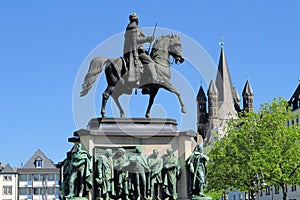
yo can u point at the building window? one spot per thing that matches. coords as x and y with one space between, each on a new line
38 163
276 190
7 190
24 177
25 191
7 178
50 190
294 187
36 177
50 177
56 190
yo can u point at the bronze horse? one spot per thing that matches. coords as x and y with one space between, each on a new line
116 71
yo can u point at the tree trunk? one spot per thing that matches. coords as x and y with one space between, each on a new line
284 191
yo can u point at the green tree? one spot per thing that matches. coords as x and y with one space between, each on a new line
257 143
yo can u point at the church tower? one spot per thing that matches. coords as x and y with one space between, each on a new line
201 115
248 97
222 103
213 113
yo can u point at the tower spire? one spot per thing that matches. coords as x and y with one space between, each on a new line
248 97
224 85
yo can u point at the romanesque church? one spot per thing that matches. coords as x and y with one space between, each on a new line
220 103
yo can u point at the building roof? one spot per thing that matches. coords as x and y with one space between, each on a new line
223 80
39 155
295 98
201 94
248 91
8 169
224 85
212 89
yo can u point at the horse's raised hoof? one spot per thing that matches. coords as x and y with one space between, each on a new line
183 110
147 115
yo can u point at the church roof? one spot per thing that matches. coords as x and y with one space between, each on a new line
248 91
224 85
223 80
39 155
201 94
212 89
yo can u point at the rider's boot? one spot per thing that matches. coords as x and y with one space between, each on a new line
153 78
152 73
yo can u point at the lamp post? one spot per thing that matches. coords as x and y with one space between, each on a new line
259 182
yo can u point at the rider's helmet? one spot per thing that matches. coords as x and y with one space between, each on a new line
133 17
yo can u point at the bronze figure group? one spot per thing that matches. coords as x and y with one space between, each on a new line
133 176
121 174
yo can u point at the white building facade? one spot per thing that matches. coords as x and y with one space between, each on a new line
8 183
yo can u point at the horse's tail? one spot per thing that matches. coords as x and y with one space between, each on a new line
96 66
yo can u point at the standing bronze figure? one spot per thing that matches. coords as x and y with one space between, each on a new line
80 180
121 180
171 172
125 74
139 167
155 164
197 167
105 176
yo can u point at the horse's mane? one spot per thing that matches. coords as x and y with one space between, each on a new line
159 39
157 44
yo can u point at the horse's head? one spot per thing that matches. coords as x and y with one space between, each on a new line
169 44
175 48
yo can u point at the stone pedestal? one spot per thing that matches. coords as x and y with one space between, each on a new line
149 134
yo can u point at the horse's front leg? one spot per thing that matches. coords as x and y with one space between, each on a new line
168 86
153 92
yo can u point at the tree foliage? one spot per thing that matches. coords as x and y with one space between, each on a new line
258 142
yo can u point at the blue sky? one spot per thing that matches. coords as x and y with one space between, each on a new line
44 45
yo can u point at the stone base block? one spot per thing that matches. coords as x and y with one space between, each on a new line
149 134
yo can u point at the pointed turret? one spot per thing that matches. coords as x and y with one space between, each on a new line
237 100
224 85
212 94
201 95
248 97
201 114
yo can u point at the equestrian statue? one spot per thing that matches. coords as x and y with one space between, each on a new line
136 69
